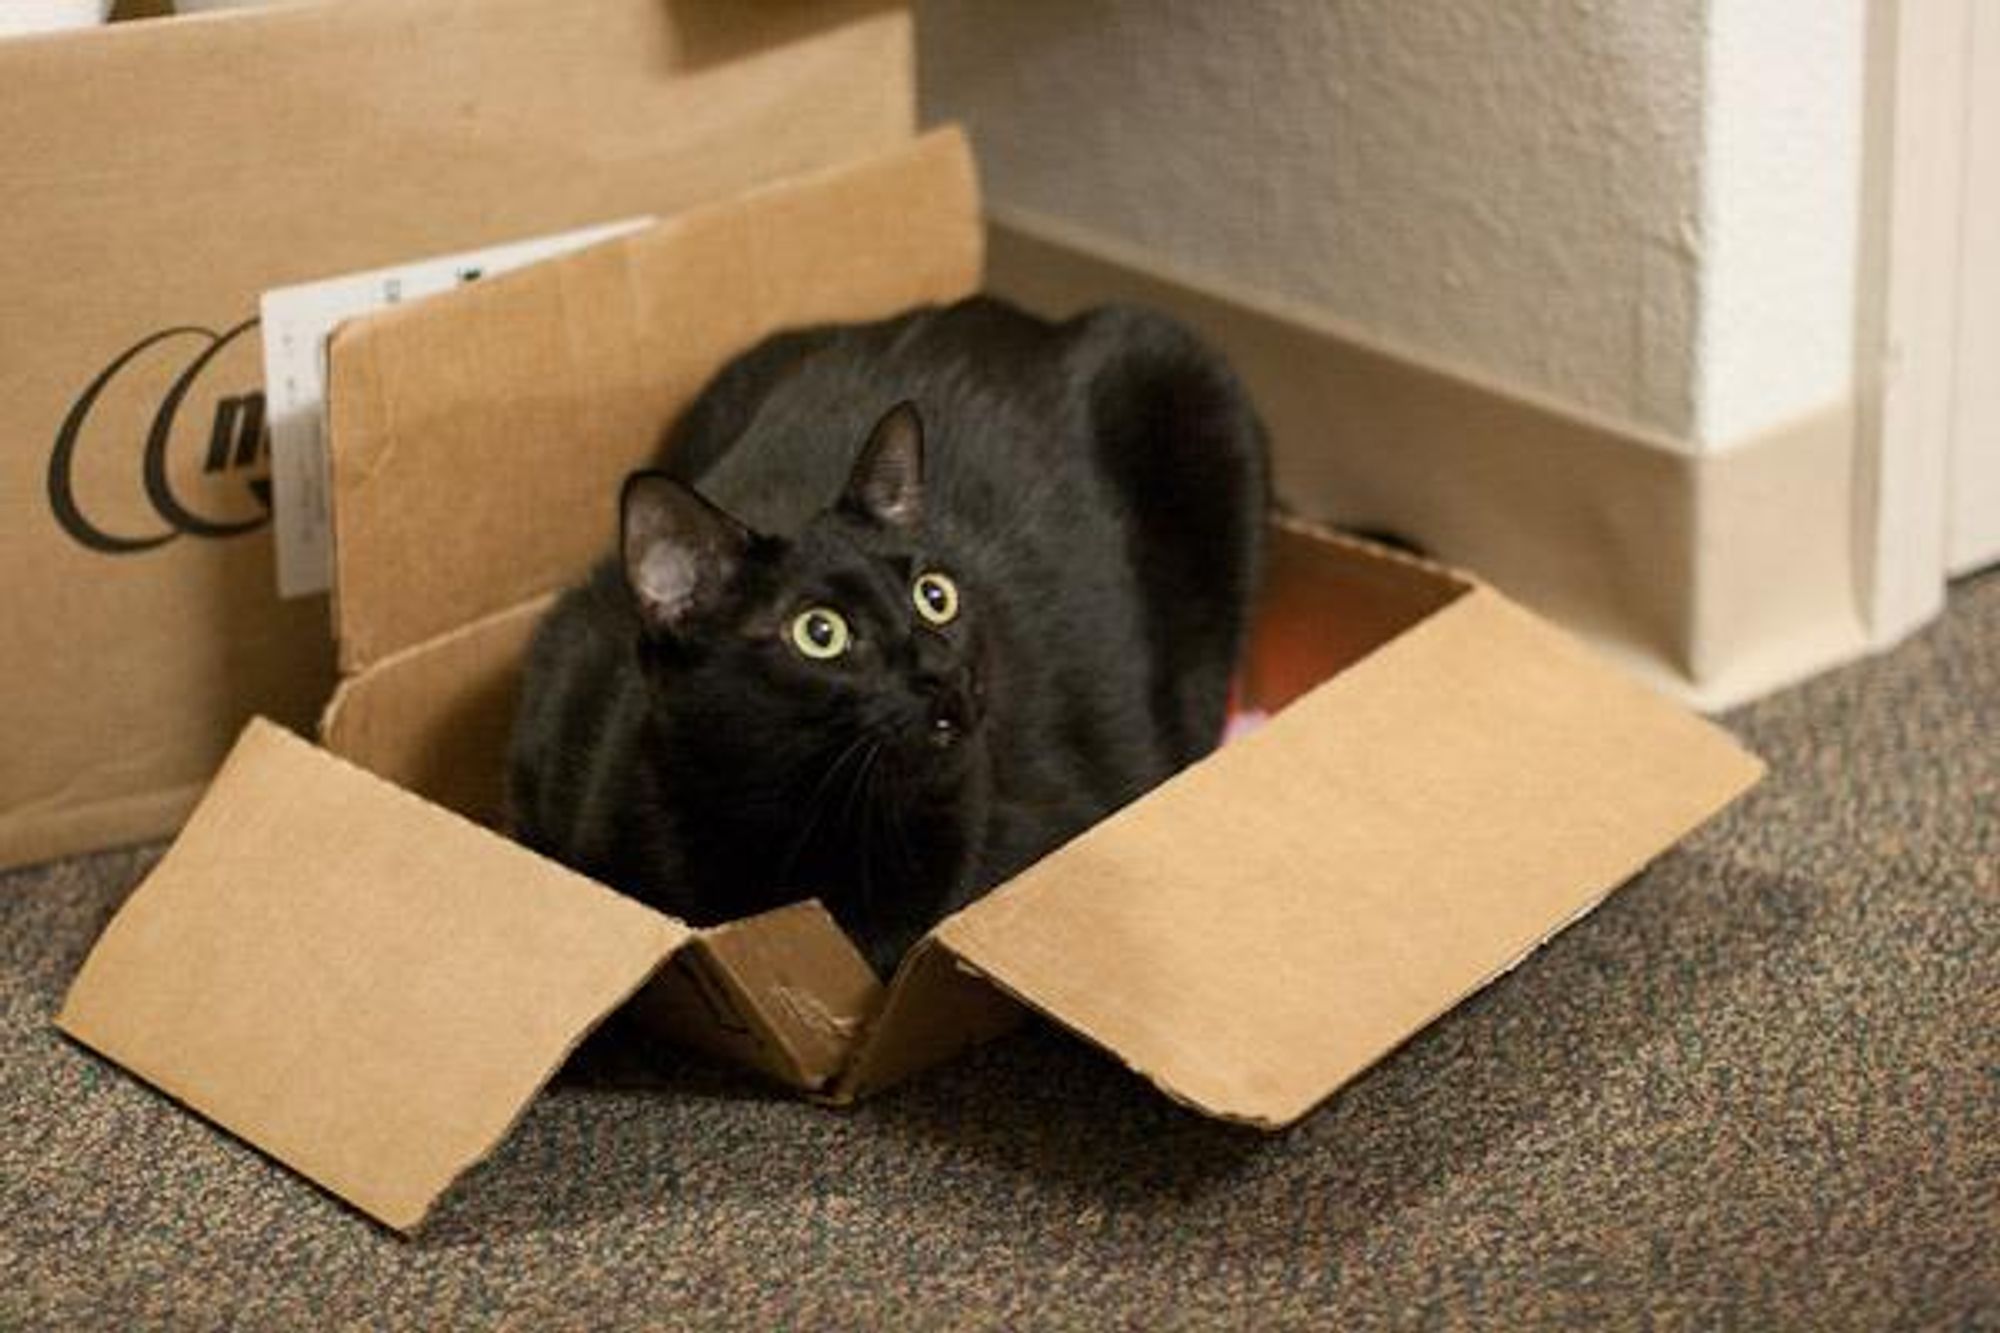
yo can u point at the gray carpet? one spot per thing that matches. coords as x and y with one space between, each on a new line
1759 1089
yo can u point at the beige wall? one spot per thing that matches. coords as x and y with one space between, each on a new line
1646 212
1566 291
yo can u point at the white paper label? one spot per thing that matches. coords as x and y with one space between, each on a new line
296 323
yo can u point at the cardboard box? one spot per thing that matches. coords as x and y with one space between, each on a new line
371 987
159 175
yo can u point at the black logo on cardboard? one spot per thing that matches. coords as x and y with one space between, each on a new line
237 444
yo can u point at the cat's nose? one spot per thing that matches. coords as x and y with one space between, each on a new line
952 714
949 720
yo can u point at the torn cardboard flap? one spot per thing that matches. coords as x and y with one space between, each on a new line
366 987
477 436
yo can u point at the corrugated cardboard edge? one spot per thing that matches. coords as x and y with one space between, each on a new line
233 1053
935 1007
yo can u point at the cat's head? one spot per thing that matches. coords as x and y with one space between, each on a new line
849 638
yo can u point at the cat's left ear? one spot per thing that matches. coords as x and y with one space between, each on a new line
887 484
681 553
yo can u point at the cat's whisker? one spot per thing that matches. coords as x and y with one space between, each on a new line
861 801
816 803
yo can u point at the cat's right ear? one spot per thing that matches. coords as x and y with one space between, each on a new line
681 553
887 483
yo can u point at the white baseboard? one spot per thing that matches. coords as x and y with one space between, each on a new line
1717 575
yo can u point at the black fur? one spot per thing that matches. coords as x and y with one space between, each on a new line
1095 489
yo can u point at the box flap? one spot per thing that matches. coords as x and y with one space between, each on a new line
365 987
785 993
935 1008
460 488
1272 921
1327 602
435 718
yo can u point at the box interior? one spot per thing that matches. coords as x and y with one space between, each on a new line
763 992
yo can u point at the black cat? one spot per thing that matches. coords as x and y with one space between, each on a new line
911 604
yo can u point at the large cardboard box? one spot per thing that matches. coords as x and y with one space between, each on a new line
339 963
160 175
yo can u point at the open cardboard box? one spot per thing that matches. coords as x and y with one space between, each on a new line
371 987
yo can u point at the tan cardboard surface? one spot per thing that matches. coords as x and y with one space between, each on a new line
434 719
799 983
1270 923
936 1007
478 438
159 175
1327 602
783 993
365 987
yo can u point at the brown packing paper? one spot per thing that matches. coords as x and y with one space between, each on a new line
365 987
160 175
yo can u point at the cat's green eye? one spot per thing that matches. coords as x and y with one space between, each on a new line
936 597
820 632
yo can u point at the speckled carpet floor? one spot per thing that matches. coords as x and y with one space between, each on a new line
1759 1089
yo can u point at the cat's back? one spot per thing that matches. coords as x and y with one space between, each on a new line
773 437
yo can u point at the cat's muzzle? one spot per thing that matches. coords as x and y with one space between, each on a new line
953 715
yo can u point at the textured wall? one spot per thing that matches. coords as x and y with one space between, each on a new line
1782 189
1514 188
